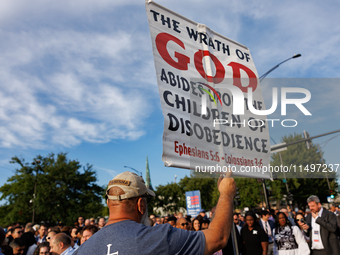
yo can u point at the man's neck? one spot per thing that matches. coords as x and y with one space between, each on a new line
65 249
113 220
119 214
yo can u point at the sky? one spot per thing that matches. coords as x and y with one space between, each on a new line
79 76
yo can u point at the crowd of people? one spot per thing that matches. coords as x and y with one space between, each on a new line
44 240
279 232
287 232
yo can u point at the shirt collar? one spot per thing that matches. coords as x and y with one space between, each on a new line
67 250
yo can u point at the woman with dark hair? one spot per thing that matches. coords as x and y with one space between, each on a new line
196 224
288 239
254 238
299 221
42 249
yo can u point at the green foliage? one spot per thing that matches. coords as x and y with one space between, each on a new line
171 197
297 155
207 188
302 183
63 191
250 192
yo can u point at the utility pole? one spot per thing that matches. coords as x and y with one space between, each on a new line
36 163
323 162
307 139
261 79
303 140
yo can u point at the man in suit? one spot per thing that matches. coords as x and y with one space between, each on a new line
237 222
334 210
268 227
321 227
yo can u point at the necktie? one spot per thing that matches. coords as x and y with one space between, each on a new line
267 231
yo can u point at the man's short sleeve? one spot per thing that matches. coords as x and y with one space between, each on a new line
186 242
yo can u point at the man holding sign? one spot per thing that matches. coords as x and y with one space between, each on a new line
124 233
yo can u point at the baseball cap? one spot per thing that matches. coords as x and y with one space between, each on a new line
132 184
36 227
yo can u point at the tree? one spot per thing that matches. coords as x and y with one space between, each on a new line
207 187
63 191
250 192
171 197
307 179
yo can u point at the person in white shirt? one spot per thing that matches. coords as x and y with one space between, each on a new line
268 227
288 239
321 226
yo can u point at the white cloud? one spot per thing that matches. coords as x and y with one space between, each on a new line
111 172
68 86
74 71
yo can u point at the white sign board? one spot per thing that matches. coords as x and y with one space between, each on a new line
203 79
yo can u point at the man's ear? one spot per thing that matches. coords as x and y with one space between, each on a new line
141 205
61 245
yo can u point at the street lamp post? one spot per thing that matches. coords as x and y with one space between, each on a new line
36 163
261 79
269 71
139 173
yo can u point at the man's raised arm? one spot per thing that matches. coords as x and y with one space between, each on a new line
217 235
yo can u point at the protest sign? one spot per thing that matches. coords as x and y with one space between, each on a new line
193 201
211 98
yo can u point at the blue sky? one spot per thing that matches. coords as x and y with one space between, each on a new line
78 76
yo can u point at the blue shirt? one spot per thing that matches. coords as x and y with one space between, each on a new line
129 237
68 251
